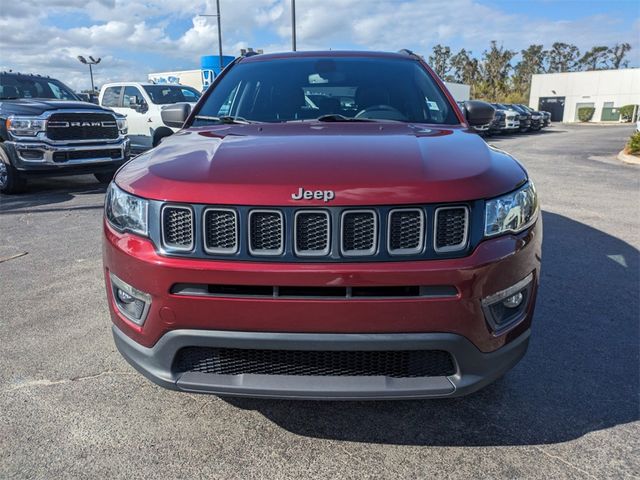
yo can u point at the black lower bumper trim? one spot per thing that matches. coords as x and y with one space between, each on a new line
474 369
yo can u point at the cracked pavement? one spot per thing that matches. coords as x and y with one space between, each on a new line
71 407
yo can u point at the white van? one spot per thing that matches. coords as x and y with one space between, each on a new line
142 104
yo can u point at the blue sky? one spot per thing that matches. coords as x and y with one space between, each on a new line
136 37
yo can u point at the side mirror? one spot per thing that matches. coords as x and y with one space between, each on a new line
478 113
175 115
141 107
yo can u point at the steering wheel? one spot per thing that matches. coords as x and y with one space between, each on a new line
390 113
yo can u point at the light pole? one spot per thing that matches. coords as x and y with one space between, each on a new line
90 62
293 25
219 32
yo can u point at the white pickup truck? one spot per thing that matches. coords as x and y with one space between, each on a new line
142 103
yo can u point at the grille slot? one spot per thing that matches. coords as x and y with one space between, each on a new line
220 230
177 227
311 233
266 232
374 292
406 231
359 232
451 227
82 126
390 363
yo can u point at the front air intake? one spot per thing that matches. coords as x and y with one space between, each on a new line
177 227
451 229
266 232
311 233
220 231
359 232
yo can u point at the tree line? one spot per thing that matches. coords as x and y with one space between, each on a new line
494 76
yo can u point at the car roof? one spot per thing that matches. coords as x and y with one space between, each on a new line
20 74
141 84
329 53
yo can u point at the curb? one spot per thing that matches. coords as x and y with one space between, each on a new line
629 159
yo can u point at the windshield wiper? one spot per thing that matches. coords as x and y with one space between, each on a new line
225 119
336 117
9 98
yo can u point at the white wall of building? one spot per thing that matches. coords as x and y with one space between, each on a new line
191 78
460 91
622 87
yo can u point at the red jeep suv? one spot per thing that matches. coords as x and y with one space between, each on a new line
325 225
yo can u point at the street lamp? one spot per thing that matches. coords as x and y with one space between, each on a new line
219 31
293 25
90 62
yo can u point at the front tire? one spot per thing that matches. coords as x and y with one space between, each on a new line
105 177
11 181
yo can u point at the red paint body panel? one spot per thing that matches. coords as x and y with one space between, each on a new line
364 164
494 265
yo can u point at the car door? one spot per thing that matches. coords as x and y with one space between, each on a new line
135 108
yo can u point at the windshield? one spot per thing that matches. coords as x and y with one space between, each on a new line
26 86
166 94
329 88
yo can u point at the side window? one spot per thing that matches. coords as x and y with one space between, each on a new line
132 97
111 97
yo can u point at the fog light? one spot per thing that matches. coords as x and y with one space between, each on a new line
131 302
506 308
124 297
514 300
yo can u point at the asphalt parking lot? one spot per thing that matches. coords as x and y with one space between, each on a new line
71 407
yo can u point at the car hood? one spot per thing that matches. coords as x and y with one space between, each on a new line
32 106
362 163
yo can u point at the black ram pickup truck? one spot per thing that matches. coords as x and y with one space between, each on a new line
46 130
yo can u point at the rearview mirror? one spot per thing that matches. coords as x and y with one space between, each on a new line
478 113
175 115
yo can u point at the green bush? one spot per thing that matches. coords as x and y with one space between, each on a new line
626 113
633 146
585 113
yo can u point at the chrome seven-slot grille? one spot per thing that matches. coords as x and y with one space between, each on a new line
317 233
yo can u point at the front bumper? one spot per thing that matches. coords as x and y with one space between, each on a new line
70 157
474 369
455 324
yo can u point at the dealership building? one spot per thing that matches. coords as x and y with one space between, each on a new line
563 94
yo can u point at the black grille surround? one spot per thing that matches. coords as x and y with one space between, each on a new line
82 126
386 363
288 253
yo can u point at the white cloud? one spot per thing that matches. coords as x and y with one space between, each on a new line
30 41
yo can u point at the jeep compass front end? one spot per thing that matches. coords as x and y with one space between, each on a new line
326 226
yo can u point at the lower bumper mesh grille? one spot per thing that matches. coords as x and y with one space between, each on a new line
391 363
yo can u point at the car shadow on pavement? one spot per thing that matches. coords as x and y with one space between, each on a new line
581 372
42 193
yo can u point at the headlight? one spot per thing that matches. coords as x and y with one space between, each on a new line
25 126
126 212
122 124
512 212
